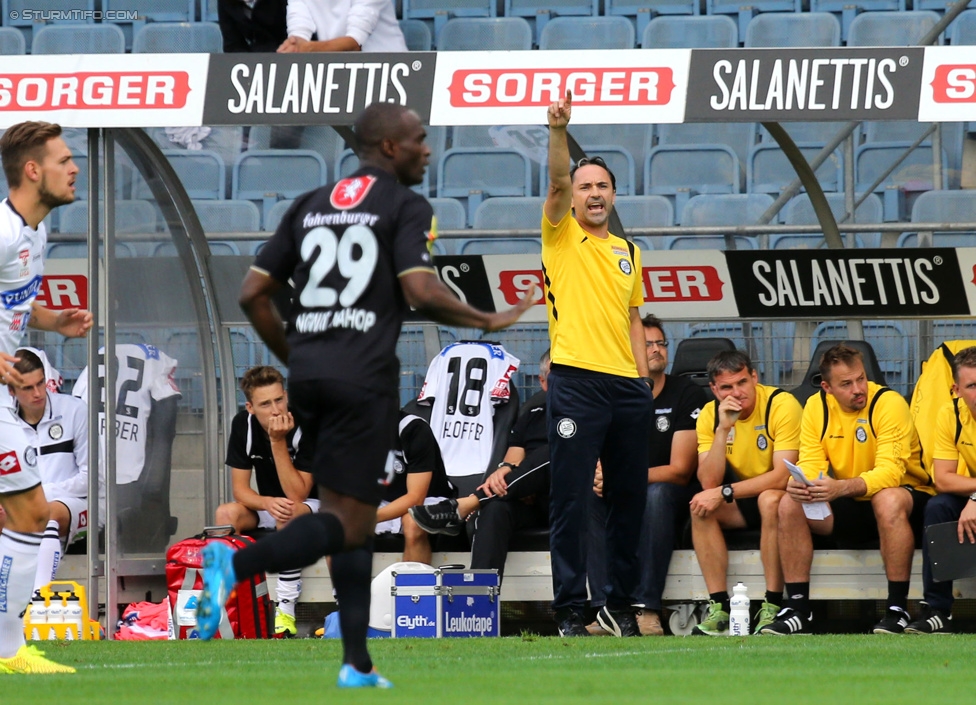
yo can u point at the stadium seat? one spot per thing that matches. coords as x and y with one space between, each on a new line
574 33
725 209
485 34
963 28
78 39
809 241
217 247
320 138
745 12
641 13
690 32
150 11
275 215
644 211
784 29
943 207
200 171
440 11
416 34
691 358
450 213
736 332
895 131
770 171
681 172
738 136
79 250
501 246
472 174
891 342
708 242
12 41
914 174
208 10
224 140
130 217
811 380
14 15
509 214
619 160
892 29
819 133
178 37
228 216
847 10
271 175
799 211
542 11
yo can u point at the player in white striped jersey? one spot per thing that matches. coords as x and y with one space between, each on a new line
41 175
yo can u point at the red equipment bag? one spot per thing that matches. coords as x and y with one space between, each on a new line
248 613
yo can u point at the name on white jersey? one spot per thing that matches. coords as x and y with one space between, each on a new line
319 321
124 430
469 430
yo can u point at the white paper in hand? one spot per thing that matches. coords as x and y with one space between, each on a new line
817 511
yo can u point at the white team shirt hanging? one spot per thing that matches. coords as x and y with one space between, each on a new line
465 382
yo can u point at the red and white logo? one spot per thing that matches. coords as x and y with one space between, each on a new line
514 283
954 83
19 321
349 193
9 464
682 284
61 291
528 87
24 257
501 390
83 519
103 90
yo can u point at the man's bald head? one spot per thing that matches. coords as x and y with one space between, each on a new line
378 122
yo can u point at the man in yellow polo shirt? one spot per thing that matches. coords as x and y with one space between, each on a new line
598 405
745 439
860 452
955 440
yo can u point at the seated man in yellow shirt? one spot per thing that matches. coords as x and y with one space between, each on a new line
745 438
954 472
861 454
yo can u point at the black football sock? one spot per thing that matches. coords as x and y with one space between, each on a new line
302 542
898 593
798 597
351 573
720 597
774 598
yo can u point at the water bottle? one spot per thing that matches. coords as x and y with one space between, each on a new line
739 611
74 617
55 611
38 610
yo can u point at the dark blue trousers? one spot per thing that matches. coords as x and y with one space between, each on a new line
940 509
594 416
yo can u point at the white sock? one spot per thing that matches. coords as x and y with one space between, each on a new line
48 556
18 564
289 589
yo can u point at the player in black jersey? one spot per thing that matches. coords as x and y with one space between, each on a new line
357 254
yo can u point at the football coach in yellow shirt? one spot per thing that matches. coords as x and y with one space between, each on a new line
599 401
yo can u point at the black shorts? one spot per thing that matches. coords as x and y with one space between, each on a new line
351 432
855 523
749 507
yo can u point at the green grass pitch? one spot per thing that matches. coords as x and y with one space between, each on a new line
524 670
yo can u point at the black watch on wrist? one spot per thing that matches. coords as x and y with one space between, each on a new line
728 494
649 381
505 464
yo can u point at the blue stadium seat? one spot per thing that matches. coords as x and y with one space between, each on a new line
963 28
892 29
644 211
217 247
725 209
149 11
14 15
184 346
943 207
807 241
450 214
274 216
79 250
819 133
208 10
542 11
619 160
12 41
573 33
939 239
681 172
527 342
739 136
131 216
745 12
200 171
799 211
509 214
417 35
475 174
641 12
228 216
78 39
914 174
632 138
271 175
895 131
953 330
891 341
802 29
178 37
769 170
225 140
708 242
691 32
347 162
501 246
485 34
735 331
847 10
440 11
